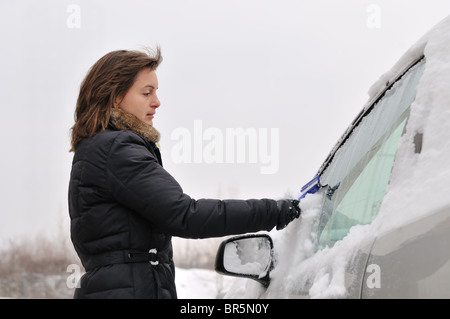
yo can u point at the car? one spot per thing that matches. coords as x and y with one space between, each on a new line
375 219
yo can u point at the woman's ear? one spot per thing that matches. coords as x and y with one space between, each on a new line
117 102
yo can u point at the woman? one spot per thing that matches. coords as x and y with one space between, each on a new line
124 206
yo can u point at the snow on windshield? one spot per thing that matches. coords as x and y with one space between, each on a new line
419 184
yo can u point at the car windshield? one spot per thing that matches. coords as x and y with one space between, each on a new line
356 178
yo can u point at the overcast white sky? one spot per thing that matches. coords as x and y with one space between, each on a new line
296 70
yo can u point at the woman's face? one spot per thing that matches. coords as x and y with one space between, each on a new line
141 99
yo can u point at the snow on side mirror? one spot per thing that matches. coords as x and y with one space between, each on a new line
249 256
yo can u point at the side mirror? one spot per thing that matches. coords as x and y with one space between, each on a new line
249 256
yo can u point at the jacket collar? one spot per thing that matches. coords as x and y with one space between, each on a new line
122 120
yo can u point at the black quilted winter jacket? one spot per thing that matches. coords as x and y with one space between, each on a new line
125 208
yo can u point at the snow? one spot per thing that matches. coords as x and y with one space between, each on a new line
201 284
418 185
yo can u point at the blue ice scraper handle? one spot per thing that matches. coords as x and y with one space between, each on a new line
310 188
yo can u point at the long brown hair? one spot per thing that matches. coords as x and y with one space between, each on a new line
108 80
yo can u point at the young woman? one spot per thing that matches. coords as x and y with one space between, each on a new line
124 206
